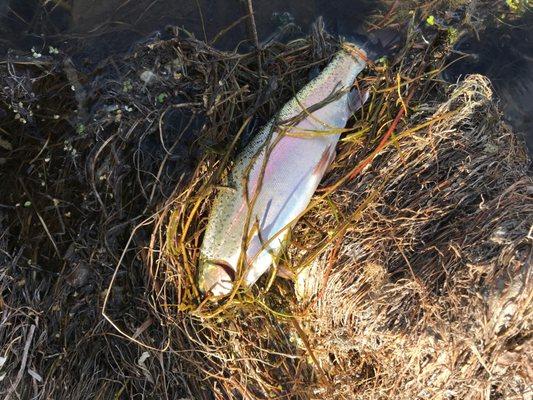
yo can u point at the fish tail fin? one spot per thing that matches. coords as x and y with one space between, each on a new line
378 43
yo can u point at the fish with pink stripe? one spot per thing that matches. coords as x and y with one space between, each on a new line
274 178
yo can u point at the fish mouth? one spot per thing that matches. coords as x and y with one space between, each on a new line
216 277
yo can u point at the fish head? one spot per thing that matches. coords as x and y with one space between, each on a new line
216 277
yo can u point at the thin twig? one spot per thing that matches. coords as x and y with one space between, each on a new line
253 29
22 363
253 26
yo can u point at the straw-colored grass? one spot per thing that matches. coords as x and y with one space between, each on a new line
429 293
411 262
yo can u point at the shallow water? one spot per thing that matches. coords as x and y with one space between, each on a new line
91 30
504 53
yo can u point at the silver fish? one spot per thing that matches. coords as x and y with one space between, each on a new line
281 169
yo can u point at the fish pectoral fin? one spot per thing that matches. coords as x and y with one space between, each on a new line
332 156
325 161
285 273
356 98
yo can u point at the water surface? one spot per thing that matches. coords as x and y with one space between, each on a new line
91 30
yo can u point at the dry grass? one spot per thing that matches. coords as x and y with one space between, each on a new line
430 291
406 278
413 262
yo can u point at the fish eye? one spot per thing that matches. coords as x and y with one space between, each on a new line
226 267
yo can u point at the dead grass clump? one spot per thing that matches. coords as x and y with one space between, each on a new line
430 292
87 159
412 264
395 259
246 348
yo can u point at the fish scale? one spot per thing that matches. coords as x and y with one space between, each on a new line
281 168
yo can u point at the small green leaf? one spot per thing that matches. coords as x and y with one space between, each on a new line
127 86
513 4
453 35
161 97
430 20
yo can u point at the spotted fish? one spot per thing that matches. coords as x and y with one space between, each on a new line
275 176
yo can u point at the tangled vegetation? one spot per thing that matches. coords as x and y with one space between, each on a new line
411 267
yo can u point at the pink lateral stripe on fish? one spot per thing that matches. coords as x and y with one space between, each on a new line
289 176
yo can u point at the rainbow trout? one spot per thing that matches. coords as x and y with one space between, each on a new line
275 176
